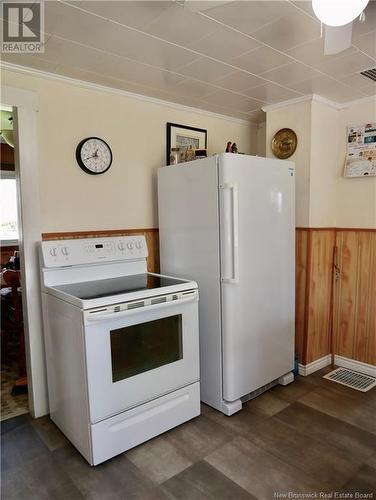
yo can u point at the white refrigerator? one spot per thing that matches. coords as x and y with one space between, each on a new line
228 222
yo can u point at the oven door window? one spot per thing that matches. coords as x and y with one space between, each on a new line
142 347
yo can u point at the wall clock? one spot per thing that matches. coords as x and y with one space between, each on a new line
94 155
284 143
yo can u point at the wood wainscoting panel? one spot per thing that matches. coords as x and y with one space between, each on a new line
344 307
151 236
355 296
301 246
319 287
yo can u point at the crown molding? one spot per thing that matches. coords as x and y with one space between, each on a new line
298 100
348 104
111 90
317 98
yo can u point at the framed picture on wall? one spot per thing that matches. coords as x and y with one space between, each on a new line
182 142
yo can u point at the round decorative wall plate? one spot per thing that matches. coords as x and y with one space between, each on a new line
284 143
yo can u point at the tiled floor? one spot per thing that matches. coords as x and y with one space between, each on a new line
311 436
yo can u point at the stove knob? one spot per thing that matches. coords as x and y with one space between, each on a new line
130 245
53 252
139 244
121 246
64 251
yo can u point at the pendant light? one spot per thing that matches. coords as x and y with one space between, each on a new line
338 12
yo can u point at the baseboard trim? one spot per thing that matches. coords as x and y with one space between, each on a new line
355 365
352 364
315 365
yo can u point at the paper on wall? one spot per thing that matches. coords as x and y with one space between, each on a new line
361 151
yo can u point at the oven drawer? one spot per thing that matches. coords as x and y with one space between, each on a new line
133 427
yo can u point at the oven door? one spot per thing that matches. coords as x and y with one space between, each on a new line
136 355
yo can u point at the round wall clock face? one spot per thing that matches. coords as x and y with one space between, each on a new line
94 155
284 143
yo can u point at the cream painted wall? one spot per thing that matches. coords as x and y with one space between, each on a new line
125 196
261 139
323 158
324 198
355 198
297 117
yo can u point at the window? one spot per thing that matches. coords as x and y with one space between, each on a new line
8 208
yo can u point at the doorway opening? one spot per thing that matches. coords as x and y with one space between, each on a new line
14 387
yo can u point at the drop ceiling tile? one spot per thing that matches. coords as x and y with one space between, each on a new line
270 92
185 101
157 78
194 88
75 73
329 88
72 24
346 65
130 13
238 81
179 25
116 67
139 74
288 31
306 6
97 78
143 48
205 69
224 44
71 54
366 43
250 16
360 82
50 58
260 60
290 73
203 5
348 96
312 53
39 62
233 101
168 96
222 110
370 20
371 90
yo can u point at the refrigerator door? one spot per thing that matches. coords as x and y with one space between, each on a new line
257 233
189 248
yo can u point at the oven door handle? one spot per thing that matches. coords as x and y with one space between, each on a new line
92 317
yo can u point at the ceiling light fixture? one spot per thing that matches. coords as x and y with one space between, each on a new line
338 12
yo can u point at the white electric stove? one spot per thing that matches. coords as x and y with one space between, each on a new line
122 345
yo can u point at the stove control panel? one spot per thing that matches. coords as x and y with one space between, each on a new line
83 251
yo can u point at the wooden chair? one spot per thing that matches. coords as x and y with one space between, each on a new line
11 316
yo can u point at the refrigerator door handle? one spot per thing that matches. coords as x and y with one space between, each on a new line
234 231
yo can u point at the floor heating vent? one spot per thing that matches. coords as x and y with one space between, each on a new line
352 379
